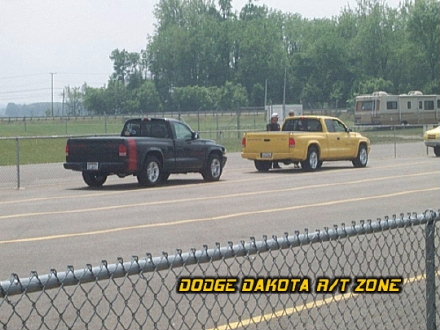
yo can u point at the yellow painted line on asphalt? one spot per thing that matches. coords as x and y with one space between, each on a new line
191 185
205 198
297 309
217 218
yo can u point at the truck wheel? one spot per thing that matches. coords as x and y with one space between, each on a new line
362 158
150 174
213 169
94 180
437 151
262 165
312 161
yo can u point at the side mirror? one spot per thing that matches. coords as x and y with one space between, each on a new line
195 135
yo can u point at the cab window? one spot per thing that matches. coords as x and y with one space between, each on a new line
303 124
156 129
335 126
132 128
182 131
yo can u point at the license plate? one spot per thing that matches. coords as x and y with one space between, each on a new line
266 155
92 166
431 136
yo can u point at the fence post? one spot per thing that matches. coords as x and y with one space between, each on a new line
238 123
216 125
430 274
17 154
395 145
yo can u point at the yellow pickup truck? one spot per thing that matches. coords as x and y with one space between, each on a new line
432 139
309 140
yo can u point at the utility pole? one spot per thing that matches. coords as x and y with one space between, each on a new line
62 108
284 92
265 97
51 107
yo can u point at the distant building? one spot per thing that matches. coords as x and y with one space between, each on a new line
283 112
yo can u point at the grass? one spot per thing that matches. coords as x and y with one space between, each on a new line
32 151
113 125
37 150
399 135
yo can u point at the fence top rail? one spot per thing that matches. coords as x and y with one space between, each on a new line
34 283
243 110
110 134
54 136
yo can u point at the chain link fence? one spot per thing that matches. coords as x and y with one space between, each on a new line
142 293
198 120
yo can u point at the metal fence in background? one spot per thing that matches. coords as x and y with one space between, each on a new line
18 147
142 293
65 125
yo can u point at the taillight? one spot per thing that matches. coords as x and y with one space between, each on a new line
291 142
67 150
243 142
122 150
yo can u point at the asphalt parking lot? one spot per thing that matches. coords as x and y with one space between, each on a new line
55 220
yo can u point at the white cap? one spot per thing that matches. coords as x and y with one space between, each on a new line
274 115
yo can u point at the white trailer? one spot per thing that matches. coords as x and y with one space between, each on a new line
381 108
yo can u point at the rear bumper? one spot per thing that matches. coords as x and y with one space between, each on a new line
275 156
116 167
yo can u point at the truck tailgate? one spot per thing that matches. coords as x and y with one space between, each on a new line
267 142
100 149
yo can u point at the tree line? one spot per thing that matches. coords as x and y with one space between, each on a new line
203 55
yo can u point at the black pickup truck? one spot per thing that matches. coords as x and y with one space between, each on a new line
148 148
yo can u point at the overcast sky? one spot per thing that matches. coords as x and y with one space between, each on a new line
74 38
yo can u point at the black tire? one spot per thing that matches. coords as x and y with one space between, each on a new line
437 151
262 165
151 172
312 161
361 159
94 180
213 168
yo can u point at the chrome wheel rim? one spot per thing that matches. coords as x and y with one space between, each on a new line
363 156
153 172
215 168
313 160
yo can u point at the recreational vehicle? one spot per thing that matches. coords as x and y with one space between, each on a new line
381 108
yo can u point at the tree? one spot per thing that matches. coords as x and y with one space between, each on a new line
232 96
424 30
128 68
96 101
74 97
149 100
375 42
